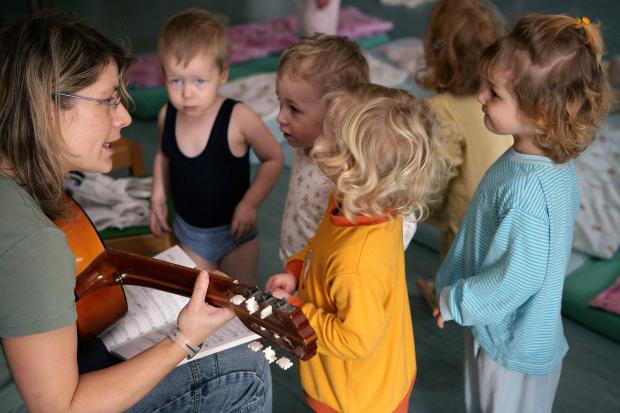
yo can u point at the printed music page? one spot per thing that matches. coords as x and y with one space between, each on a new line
152 313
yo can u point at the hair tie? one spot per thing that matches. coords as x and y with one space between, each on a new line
582 21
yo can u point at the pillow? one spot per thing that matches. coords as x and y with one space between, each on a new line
597 228
609 299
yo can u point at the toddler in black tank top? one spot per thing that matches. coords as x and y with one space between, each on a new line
203 161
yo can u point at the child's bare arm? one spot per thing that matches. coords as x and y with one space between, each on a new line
268 151
159 210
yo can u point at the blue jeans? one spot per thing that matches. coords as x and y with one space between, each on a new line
234 380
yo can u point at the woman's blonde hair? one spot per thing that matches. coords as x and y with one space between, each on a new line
193 32
456 35
552 66
326 61
41 57
379 146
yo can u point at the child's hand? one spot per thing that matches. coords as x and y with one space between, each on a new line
280 293
158 219
438 318
286 282
243 220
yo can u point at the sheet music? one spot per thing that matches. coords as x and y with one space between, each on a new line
152 313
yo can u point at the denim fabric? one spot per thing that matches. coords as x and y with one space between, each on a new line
210 243
235 380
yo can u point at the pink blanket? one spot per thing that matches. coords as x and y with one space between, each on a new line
253 40
609 299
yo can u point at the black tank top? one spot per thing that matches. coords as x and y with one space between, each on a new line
206 189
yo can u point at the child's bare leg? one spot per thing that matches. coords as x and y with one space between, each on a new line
199 261
427 288
241 262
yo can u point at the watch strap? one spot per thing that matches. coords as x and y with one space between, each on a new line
176 336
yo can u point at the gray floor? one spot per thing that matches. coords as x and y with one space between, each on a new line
590 378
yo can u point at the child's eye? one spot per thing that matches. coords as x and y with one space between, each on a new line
494 94
199 82
175 82
294 109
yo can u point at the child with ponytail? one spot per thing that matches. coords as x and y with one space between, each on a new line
504 273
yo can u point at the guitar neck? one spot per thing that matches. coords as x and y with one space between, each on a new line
119 267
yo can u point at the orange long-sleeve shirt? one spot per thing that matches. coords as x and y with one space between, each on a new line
352 284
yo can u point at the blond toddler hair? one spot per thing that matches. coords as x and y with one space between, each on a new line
193 32
552 66
379 147
325 61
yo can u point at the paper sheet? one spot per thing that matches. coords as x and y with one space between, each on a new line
151 314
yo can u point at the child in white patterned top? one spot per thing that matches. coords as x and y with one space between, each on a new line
307 71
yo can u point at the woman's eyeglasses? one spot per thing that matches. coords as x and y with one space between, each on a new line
113 101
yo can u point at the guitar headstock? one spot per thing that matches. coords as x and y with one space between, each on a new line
273 319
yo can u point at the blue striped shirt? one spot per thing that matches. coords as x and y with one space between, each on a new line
504 274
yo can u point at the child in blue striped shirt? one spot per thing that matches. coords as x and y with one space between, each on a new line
504 274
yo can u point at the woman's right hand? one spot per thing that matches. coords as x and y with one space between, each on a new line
198 320
284 281
158 220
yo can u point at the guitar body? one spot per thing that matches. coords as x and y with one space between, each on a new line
98 311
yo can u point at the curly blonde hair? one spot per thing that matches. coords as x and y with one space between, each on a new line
379 147
326 61
552 66
192 32
456 35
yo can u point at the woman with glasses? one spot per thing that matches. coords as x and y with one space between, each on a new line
61 107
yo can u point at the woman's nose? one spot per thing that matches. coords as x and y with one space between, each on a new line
122 118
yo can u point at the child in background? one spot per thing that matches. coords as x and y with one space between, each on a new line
204 154
318 16
457 33
504 274
307 71
378 148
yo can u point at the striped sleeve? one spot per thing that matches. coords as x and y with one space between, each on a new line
511 272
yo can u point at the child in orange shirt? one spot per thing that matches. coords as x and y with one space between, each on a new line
378 148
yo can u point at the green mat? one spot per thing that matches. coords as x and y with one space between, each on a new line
582 285
148 101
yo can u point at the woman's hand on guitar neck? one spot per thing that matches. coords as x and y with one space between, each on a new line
198 320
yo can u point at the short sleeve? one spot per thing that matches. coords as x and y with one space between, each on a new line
37 279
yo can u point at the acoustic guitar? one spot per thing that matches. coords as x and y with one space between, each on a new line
100 299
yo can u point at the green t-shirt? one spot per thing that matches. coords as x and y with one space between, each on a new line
37 278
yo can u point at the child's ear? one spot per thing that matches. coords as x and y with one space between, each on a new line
224 75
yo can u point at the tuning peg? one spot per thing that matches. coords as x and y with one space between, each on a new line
237 299
255 346
270 354
284 363
265 312
251 305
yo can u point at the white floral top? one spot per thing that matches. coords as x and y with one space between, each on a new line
306 201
